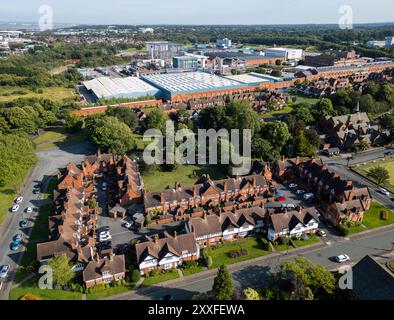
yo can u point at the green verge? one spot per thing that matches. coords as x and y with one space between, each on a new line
220 254
161 277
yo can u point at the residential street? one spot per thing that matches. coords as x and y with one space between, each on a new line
48 164
254 274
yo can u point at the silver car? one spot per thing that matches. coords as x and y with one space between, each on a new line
4 270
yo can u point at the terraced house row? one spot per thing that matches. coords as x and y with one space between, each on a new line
72 225
171 251
339 199
210 193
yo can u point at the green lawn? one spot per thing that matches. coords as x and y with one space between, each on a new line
161 277
57 94
311 240
286 109
387 162
111 291
220 256
32 288
157 180
192 270
372 218
58 137
357 229
283 247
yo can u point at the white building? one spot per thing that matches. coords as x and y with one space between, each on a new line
376 43
389 42
286 53
223 43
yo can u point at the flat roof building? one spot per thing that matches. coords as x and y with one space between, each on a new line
130 87
173 84
249 78
286 53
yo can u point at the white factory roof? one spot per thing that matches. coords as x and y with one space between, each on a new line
247 78
111 87
190 82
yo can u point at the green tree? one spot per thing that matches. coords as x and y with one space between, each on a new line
277 133
135 275
251 294
302 112
262 149
223 284
324 108
302 145
111 135
126 115
61 270
156 119
379 174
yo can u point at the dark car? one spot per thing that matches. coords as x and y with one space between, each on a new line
389 153
167 297
103 229
105 245
23 224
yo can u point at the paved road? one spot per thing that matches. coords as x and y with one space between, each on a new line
254 274
49 162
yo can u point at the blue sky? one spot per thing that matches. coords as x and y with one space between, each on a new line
197 11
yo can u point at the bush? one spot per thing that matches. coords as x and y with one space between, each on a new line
135 275
189 264
384 215
343 229
233 254
209 261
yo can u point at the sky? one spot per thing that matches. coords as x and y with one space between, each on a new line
197 11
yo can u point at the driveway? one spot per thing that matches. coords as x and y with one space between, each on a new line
49 162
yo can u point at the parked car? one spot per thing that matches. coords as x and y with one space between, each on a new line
23 224
15 245
105 237
128 225
36 191
103 229
293 185
167 297
19 200
29 210
389 153
18 237
300 192
281 199
4 270
308 196
15 208
106 245
321 233
288 206
342 258
383 191
104 186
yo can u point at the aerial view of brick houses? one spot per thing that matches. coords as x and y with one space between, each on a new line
348 131
339 199
73 223
211 212
166 252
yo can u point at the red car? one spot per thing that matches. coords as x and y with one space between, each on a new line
281 199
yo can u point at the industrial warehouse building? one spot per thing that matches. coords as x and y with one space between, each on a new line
174 86
130 87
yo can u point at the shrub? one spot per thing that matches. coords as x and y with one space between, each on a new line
209 261
384 215
29 296
135 275
189 264
238 253
343 229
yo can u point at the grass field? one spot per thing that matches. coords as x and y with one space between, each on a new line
57 94
111 291
308 242
220 255
372 218
387 162
156 181
56 137
32 288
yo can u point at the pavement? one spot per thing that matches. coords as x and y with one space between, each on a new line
49 162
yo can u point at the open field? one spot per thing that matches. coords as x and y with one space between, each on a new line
186 175
387 162
57 137
57 94
220 254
